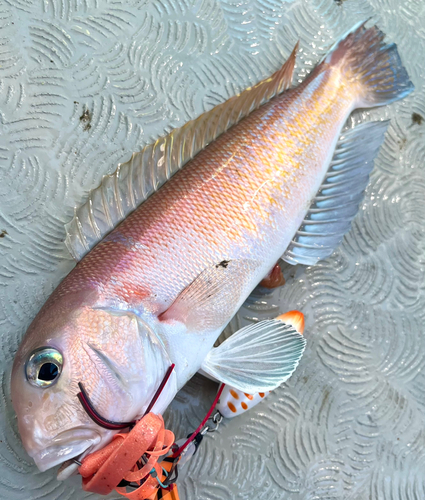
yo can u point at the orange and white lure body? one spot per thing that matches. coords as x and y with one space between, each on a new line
234 402
160 281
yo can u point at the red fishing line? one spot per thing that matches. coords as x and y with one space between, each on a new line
201 425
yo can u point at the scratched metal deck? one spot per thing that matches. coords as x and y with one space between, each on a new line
83 83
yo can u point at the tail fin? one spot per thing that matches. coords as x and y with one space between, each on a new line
373 66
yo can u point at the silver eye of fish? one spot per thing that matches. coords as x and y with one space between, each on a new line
44 367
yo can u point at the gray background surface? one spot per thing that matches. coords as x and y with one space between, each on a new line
350 423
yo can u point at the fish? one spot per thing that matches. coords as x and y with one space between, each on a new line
171 245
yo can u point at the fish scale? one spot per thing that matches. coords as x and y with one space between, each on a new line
264 165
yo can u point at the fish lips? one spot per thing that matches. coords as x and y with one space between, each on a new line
67 445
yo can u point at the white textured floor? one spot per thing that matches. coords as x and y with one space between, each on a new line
83 84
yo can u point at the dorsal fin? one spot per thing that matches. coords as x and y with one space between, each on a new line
134 181
337 201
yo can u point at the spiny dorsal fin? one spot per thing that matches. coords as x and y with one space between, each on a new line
134 181
337 201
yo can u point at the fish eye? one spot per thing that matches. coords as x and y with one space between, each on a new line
44 367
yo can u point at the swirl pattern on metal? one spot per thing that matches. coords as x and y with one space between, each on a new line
83 84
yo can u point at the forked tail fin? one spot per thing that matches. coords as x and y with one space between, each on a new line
372 65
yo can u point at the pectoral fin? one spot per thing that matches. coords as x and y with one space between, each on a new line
257 358
211 299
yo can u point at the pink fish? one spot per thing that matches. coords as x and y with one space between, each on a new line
161 287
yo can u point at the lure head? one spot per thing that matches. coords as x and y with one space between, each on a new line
116 357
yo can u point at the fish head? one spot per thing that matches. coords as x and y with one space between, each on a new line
115 356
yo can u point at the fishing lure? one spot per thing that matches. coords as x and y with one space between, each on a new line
139 449
131 459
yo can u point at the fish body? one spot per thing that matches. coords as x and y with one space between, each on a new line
161 287
240 199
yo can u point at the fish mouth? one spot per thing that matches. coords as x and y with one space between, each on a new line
70 467
67 445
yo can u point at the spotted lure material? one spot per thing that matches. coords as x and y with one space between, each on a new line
159 287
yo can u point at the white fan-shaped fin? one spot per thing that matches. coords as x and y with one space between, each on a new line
257 358
134 181
337 201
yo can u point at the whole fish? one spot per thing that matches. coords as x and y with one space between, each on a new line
161 287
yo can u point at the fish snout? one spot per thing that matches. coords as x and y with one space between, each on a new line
47 452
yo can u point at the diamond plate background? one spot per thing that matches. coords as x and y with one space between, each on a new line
83 83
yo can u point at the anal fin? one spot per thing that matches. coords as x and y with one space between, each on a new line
337 201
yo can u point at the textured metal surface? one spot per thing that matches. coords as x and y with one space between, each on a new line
85 83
